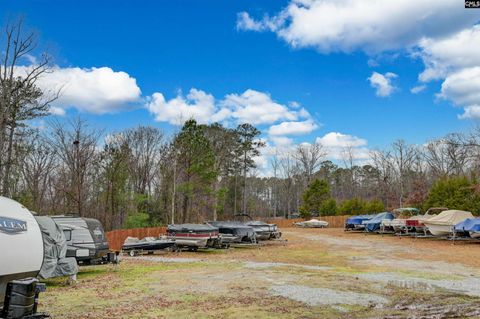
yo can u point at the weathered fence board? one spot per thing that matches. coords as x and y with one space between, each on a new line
116 238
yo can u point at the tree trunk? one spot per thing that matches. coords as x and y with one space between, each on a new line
185 209
215 199
235 196
245 183
8 163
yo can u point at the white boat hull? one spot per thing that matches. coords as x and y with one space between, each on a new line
313 224
475 234
440 230
396 224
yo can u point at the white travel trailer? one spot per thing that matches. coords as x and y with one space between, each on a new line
21 244
21 256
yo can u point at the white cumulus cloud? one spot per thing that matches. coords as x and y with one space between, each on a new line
293 128
383 83
441 33
197 104
470 112
463 89
281 141
336 139
340 146
443 56
245 22
251 106
258 108
370 26
455 60
93 90
417 89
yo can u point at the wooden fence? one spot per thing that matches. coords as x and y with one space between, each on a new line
116 238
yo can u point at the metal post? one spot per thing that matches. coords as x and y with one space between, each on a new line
174 189
76 144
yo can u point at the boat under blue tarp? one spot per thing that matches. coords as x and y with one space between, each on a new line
468 225
373 224
357 221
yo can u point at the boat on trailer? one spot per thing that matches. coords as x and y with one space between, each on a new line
264 231
235 232
312 223
133 245
443 223
415 223
356 222
195 236
22 253
398 225
373 224
470 227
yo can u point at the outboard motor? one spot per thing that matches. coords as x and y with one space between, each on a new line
21 256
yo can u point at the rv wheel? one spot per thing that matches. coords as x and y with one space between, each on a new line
132 253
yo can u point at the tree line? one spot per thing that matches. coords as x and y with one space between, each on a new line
141 176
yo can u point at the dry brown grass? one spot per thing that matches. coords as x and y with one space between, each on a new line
220 284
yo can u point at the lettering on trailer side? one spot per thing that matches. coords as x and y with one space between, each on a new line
12 226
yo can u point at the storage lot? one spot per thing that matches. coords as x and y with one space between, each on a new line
319 273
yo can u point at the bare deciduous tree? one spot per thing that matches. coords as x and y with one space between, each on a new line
37 166
309 157
21 99
75 145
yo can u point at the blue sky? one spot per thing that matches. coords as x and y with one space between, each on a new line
223 48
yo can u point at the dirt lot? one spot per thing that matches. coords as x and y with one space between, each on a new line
318 273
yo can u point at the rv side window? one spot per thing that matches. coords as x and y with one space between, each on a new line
68 234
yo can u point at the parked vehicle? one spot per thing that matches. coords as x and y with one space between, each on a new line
443 223
55 260
195 236
86 240
21 258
